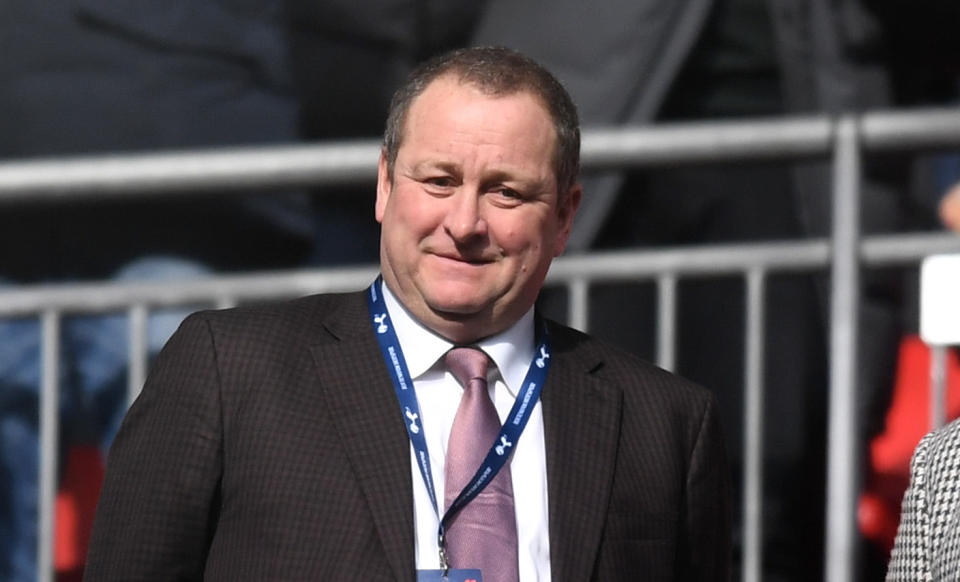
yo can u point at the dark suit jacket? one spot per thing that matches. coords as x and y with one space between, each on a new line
267 445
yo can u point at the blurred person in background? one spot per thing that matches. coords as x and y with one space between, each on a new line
98 76
950 208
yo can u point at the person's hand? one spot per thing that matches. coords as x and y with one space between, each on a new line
950 208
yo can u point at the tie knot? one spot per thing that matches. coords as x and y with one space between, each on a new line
468 364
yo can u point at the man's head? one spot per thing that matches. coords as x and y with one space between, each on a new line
477 189
495 71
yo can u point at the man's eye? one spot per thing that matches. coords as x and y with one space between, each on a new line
440 181
509 193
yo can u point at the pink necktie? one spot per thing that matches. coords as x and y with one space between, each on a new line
484 533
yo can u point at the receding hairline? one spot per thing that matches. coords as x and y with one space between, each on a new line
488 90
495 72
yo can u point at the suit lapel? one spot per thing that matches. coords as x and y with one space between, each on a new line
582 425
355 383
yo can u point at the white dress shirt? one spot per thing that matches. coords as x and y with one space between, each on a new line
438 393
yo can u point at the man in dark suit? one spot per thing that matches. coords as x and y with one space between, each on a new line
268 442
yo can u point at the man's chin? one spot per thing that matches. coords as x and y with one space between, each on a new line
457 311
458 308
455 301
461 323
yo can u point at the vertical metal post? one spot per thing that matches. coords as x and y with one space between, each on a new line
667 321
577 304
938 386
843 457
49 437
753 429
137 362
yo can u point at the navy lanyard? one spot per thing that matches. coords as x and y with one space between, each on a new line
410 409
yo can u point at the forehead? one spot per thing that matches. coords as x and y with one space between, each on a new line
448 110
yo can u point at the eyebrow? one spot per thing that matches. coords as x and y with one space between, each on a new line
493 176
428 165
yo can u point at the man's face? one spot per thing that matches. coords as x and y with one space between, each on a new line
471 218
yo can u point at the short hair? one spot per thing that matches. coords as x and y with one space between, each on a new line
496 71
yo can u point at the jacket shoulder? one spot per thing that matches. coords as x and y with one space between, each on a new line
305 320
613 364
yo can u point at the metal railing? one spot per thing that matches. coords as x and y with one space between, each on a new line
224 169
844 140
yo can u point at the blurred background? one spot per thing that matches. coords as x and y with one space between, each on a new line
91 77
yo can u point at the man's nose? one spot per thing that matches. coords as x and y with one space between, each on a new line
465 218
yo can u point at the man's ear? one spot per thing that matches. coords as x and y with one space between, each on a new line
566 210
384 186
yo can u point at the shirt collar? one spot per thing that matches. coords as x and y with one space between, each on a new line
511 350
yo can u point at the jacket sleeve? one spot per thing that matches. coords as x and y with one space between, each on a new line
910 560
157 509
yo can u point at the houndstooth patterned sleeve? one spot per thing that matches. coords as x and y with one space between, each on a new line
910 560
927 547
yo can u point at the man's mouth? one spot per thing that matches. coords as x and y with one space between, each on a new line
476 261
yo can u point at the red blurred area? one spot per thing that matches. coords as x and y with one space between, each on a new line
908 419
75 507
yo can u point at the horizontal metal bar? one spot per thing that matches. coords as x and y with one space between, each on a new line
714 141
190 171
910 130
628 265
777 256
235 169
906 248
632 265
214 290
